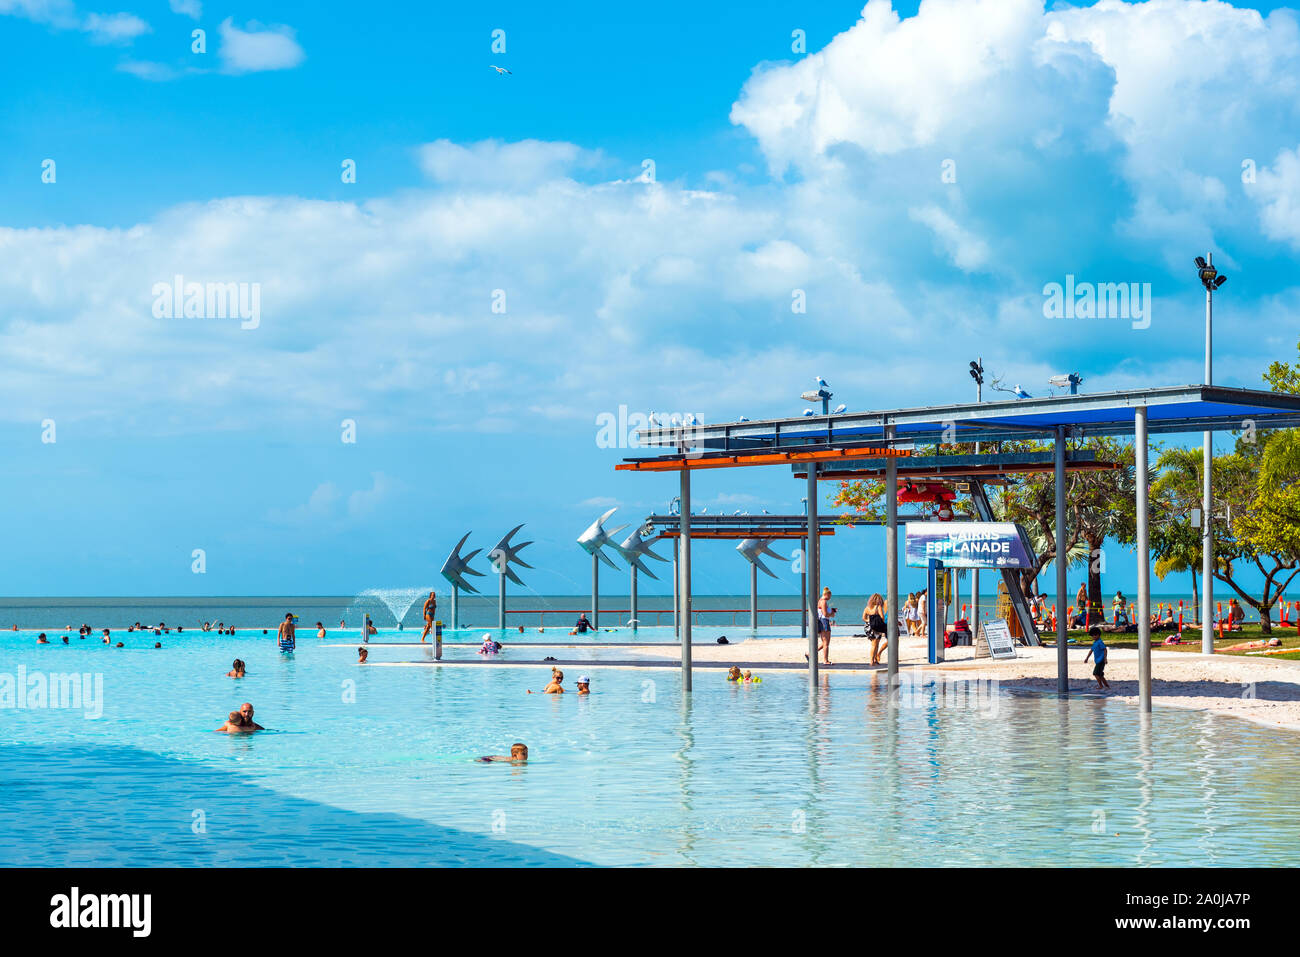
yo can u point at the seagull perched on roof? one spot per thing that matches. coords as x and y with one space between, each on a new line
500 69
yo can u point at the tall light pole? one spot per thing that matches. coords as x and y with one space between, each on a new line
1211 280
976 373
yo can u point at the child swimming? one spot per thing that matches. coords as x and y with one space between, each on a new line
518 755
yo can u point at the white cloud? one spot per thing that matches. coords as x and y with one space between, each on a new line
1278 189
486 162
258 47
968 252
147 70
115 27
189 8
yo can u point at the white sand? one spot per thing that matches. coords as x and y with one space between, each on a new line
1257 689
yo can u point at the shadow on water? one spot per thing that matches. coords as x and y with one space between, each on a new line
139 809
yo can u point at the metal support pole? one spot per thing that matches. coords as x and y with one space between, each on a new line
803 585
501 597
632 615
1059 531
686 578
891 561
677 627
1207 498
595 591
814 591
753 597
455 607
1143 560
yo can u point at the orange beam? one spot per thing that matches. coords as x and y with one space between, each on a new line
771 458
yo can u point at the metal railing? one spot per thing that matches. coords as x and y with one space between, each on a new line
697 615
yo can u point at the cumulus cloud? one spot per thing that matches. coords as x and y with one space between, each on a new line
258 47
495 162
189 8
1278 191
116 28
521 290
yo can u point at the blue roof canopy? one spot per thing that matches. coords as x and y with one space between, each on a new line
1189 408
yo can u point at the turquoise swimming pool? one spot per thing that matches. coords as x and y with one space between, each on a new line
374 765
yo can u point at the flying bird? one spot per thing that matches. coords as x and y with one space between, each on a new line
500 70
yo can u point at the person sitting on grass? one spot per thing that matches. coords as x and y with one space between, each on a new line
1236 615
518 755
1098 653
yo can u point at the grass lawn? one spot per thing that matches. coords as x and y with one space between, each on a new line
1192 640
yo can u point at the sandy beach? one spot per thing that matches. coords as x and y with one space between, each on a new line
1257 689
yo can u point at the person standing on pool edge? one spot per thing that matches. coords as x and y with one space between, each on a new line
824 614
430 606
285 639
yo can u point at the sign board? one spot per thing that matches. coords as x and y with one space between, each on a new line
968 545
997 638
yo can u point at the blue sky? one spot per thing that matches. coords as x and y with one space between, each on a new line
1112 142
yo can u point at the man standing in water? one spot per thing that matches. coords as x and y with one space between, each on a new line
285 638
430 606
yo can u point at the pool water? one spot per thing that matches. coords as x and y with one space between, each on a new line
375 765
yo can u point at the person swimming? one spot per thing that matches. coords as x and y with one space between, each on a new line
235 724
518 755
556 686
490 646
42 640
237 669
584 685
246 710
362 655
320 630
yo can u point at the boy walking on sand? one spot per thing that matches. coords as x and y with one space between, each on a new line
1098 654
